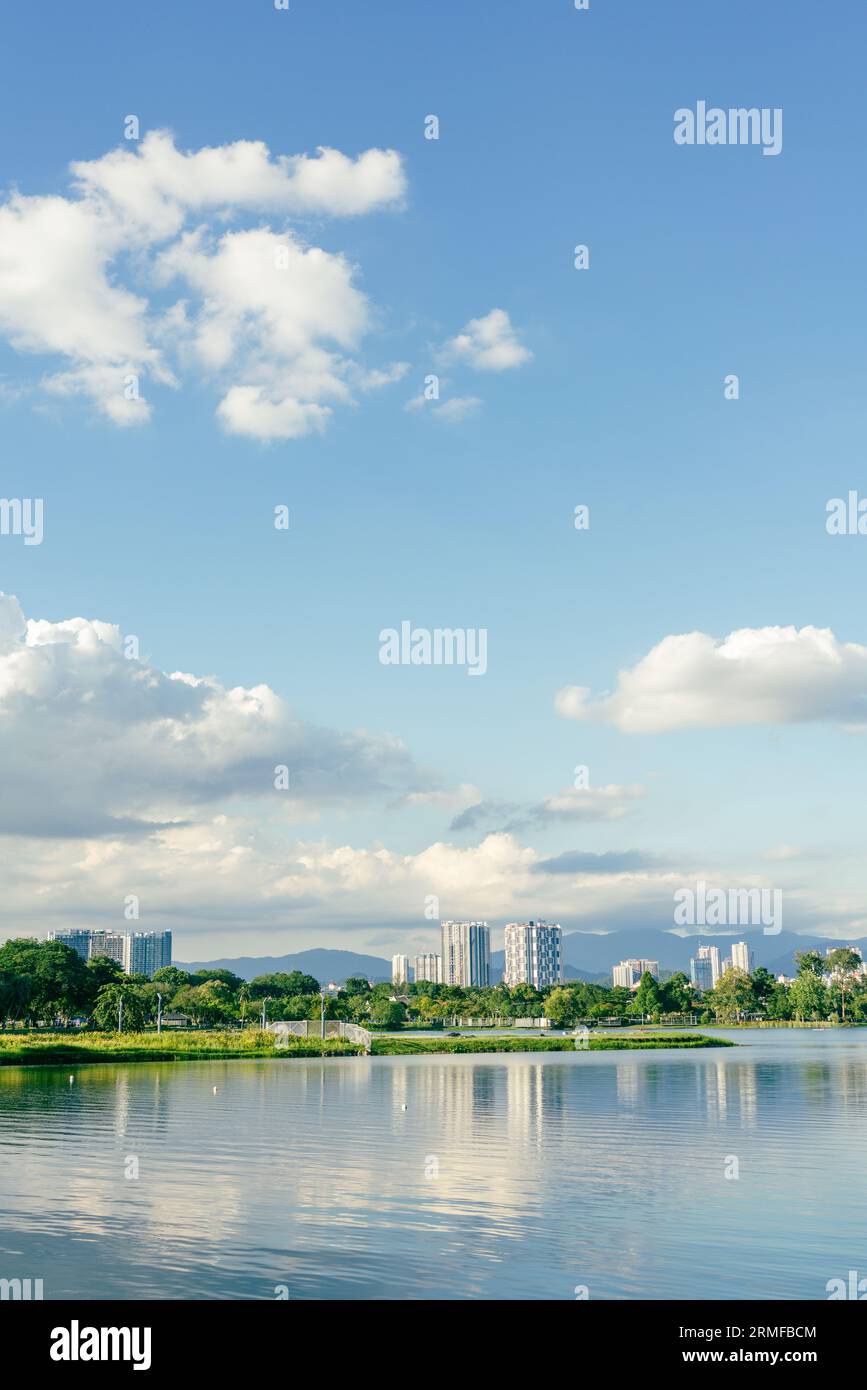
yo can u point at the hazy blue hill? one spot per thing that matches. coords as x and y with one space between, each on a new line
323 965
587 957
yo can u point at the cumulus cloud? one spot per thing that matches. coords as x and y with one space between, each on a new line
770 675
272 318
225 874
489 344
154 185
93 743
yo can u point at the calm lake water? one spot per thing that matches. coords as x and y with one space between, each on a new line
455 1177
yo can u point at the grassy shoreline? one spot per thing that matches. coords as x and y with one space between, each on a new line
58 1049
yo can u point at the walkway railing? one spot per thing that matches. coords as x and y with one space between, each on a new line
311 1028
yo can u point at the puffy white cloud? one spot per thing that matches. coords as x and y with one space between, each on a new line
498 879
770 675
490 344
78 277
92 743
56 298
268 307
249 410
153 185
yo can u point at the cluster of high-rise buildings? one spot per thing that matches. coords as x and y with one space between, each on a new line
707 967
138 952
627 975
533 956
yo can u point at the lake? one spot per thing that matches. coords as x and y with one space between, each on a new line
523 1177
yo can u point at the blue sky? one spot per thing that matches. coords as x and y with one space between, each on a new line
707 515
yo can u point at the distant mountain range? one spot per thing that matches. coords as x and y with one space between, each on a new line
589 957
323 965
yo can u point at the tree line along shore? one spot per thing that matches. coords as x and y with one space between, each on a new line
47 985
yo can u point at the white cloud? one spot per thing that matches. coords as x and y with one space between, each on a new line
154 185
611 802
450 411
270 317
489 344
56 298
268 307
450 799
458 408
92 743
770 675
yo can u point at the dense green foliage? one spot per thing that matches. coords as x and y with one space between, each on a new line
47 983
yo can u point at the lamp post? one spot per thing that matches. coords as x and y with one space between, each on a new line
265 1002
322 993
120 1014
159 1012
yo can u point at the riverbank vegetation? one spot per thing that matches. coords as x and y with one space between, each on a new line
404 1046
47 984
63 1049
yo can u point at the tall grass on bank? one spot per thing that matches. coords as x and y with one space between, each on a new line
59 1049
48 1049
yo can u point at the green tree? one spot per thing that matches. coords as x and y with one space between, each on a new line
388 1013
810 962
283 983
649 998
561 1007
777 1004
208 1004
59 981
14 995
677 994
136 1007
808 996
732 997
842 964
172 977
219 976
103 970
764 985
